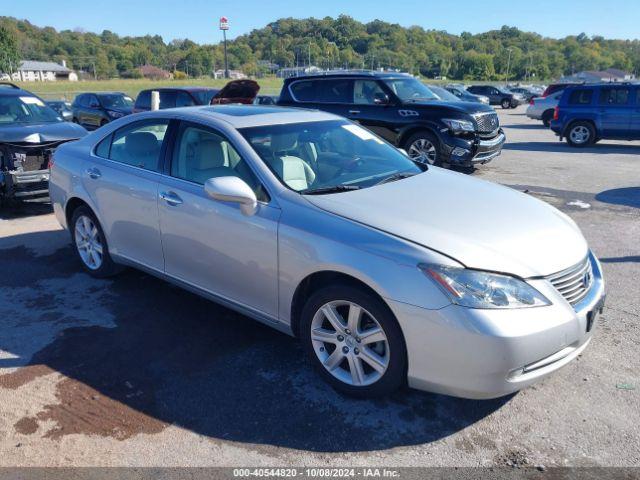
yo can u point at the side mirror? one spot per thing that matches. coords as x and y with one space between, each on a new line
381 99
232 189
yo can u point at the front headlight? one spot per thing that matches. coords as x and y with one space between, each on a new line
477 289
459 126
113 114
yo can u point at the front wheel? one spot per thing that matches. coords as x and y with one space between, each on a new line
506 103
354 340
581 134
424 147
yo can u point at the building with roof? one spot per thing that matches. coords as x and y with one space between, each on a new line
34 71
154 73
596 76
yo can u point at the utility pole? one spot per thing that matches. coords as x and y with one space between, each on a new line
506 82
309 64
224 26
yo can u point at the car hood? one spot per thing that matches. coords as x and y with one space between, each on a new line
478 223
237 91
460 106
41 132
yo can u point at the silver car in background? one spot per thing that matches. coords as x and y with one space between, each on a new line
315 226
542 108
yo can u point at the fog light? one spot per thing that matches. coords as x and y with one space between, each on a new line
459 152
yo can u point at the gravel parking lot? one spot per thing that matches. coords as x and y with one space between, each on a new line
133 371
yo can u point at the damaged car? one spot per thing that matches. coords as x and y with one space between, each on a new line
29 133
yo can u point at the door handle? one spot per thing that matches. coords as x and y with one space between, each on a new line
93 173
354 112
171 198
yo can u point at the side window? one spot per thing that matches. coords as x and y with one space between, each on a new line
102 150
336 91
77 102
201 154
183 99
614 96
367 92
167 99
144 100
139 144
581 97
305 90
494 92
92 101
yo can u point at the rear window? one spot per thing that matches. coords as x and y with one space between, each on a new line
144 100
305 90
614 96
581 97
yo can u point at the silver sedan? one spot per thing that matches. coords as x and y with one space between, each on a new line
389 272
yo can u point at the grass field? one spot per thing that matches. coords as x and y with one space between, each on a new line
68 90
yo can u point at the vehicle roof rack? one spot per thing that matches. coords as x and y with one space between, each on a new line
9 84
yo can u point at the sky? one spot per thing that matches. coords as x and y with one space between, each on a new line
198 19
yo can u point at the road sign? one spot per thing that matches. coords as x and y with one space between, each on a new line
224 23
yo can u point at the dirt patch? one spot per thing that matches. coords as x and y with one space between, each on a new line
26 426
83 410
23 375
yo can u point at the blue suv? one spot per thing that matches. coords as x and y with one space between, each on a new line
589 113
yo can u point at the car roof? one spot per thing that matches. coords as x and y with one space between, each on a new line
244 116
180 88
350 74
8 89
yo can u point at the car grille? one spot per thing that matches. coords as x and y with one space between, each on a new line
487 122
574 283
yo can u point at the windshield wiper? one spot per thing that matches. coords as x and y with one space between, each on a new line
396 176
331 189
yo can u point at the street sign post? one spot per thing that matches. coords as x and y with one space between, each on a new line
224 26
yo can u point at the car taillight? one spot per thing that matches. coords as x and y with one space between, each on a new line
556 113
532 102
51 161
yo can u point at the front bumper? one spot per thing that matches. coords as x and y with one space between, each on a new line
482 354
465 152
25 185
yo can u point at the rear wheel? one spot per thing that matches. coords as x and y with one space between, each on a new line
354 340
91 245
581 134
506 103
424 147
547 116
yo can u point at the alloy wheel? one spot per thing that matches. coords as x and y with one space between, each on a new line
88 242
579 134
424 151
350 343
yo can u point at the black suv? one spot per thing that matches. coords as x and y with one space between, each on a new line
497 95
405 112
93 110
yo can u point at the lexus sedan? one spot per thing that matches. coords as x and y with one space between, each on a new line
317 227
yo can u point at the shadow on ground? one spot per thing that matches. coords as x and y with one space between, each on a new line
562 147
26 209
628 196
161 355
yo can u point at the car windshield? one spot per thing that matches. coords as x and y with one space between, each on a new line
25 109
444 94
410 89
328 156
116 100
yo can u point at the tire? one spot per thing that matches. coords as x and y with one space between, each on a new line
424 147
75 120
351 359
505 103
581 134
547 116
94 258
103 122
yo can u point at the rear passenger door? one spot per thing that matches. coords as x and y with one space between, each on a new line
122 180
634 127
614 111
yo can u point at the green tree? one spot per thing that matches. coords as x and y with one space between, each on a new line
9 56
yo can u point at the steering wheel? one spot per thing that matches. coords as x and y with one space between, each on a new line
350 164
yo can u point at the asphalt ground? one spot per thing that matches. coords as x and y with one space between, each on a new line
135 372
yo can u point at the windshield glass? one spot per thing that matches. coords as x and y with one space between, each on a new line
408 89
25 110
325 155
204 96
444 95
116 100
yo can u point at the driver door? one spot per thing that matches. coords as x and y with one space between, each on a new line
371 108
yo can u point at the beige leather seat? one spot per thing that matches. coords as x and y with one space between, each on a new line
208 161
293 170
143 149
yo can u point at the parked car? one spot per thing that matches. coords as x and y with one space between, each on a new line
465 96
29 133
526 93
265 100
497 95
236 91
543 108
589 113
402 110
93 110
62 107
307 222
557 87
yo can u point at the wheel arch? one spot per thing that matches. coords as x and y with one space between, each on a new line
317 280
407 132
71 206
573 121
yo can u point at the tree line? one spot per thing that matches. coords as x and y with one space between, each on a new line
341 42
